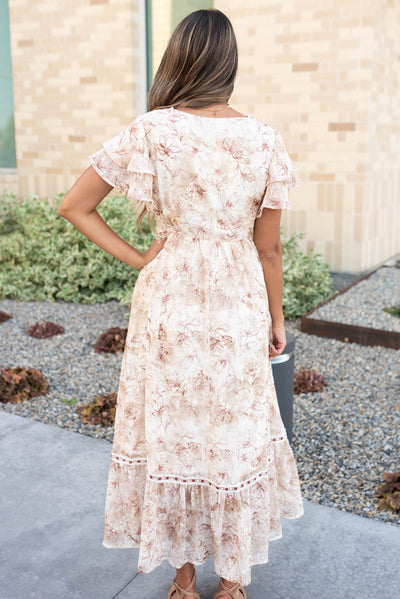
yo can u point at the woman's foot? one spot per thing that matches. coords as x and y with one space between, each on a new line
183 577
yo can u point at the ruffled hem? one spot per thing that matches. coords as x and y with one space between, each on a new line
277 194
190 522
281 178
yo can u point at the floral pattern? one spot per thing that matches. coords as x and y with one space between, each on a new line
200 464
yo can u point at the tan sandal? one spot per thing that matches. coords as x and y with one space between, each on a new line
236 591
178 592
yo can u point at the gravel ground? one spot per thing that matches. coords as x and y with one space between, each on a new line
380 290
68 361
344 437
347 435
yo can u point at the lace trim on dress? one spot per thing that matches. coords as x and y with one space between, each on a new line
124 162
200 481
281 178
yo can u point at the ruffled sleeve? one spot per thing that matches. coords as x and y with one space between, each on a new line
280 179
124 162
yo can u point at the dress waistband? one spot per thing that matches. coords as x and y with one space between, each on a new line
178 233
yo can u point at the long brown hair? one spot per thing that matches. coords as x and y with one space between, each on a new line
198 67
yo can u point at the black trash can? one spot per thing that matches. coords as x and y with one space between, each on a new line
283 371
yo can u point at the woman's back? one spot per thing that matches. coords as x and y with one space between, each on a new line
203 176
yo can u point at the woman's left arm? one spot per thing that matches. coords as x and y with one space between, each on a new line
79 208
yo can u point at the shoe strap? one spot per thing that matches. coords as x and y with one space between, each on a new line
233 591
223 593
193 594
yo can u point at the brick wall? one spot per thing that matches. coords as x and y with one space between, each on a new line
161 21
380 218
327 76
76 78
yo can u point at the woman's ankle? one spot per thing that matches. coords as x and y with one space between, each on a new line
185 574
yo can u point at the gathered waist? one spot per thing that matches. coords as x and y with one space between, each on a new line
178 233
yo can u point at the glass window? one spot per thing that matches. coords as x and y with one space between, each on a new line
7 135
162 18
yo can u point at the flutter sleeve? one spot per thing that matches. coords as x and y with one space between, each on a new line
280 180
124 162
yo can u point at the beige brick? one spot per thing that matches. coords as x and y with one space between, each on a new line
337 256
328 252
262 8
24 43
330 198
322 176
291 18
352 23
306 66
76 138
287 37
321 197
84 80
338 227
329 13
342 126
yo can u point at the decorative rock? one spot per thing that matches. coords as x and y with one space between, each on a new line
364 303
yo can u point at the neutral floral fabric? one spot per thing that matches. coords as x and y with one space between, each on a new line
200 462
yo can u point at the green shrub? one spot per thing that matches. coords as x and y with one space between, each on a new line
43 257
393 310
306 279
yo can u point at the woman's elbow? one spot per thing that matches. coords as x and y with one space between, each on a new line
270 253
61 211
63 207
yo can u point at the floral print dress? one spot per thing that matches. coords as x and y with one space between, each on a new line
200 464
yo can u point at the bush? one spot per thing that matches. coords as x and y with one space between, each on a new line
389 492
45 329
18 384
306 381
112 341
4 316
306 279
99 411
43 257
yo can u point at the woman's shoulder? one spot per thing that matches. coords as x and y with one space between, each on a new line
264 127
154 116
151 116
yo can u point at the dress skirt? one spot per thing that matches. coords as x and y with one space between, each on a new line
201 464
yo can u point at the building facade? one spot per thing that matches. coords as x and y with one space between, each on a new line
325 74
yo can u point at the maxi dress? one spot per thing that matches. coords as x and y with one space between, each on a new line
200 463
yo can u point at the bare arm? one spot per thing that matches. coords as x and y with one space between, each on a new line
79 207
266 236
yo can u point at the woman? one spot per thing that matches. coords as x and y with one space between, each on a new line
201 464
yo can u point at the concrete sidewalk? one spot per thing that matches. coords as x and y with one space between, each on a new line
52 498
